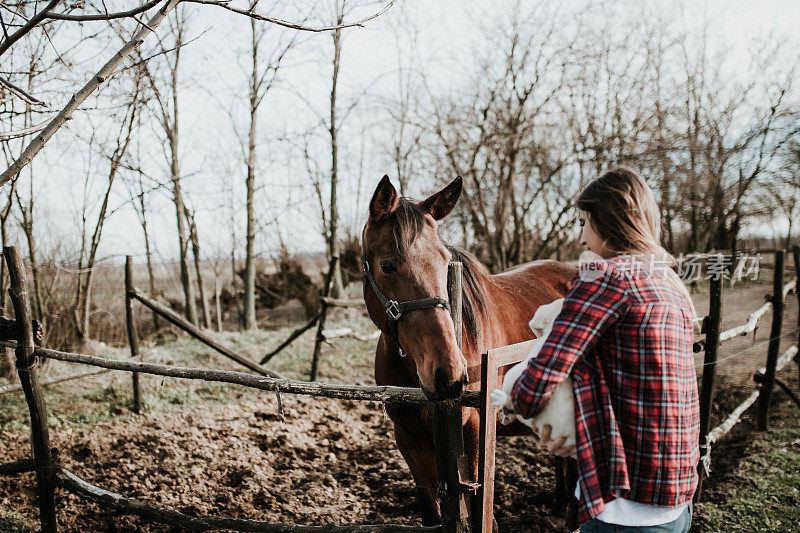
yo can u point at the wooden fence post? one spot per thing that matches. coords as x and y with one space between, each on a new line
133 334
323 315
711 326
26 368
796 255
774 343
448 437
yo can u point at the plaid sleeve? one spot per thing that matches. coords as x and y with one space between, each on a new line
592 304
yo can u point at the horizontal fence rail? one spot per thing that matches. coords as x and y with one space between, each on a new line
45 382
17 467
724 428
380 393
188 327
750 325
718 432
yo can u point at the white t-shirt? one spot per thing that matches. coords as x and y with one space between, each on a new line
623 512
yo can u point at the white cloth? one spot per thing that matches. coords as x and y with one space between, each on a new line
623 512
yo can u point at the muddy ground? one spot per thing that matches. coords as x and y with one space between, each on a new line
330 461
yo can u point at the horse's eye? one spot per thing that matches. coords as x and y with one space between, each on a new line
387 267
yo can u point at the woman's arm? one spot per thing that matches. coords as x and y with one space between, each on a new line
590 307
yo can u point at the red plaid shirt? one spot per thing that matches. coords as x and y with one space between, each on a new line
626 340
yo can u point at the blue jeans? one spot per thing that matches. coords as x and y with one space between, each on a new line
679 525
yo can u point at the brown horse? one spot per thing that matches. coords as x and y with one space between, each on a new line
408 261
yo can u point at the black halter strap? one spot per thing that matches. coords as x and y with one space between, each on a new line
395 310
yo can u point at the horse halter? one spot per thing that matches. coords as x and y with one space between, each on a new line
395 310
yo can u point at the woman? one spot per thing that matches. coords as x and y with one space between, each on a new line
625 336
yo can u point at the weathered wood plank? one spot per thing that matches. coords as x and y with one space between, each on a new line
323 316
491 361
448 436
296 333
774 343
28 378
53 381
182 323
17 467
342 302
380 393
133 334
712 325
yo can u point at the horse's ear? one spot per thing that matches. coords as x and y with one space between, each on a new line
440 204
384 200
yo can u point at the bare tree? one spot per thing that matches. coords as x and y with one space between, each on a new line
732 135
782 192
195 240
167 111
48 14
505 140
333 129
87 259
262 80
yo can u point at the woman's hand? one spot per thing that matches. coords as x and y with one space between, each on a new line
555 446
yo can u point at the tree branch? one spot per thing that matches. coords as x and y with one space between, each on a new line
78 98
19 92
36 19
105 16
293 25
8 135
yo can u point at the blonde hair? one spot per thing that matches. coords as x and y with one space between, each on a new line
624 213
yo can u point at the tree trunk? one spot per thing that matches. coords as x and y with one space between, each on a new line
333 219
177 194
249 259
27 228
200 285
4 236
149 256
183 242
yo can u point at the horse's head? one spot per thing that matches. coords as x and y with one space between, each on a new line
408 262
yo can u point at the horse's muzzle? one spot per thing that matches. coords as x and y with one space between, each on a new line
446 389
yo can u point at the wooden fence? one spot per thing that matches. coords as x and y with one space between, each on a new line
448 438
764 377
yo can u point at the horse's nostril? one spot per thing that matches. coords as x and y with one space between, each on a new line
446 388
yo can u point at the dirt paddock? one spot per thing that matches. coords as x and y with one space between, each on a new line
329 461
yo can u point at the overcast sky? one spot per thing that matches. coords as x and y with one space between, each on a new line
445 36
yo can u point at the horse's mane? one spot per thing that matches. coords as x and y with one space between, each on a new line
407 222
